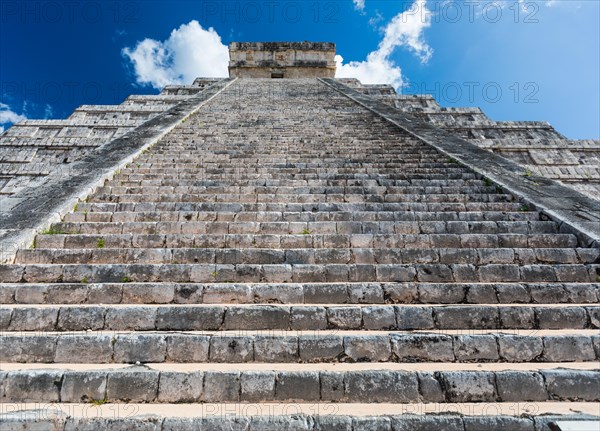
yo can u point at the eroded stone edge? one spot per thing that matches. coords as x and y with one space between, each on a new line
35 209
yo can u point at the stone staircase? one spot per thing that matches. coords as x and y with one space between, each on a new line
534 145
285 259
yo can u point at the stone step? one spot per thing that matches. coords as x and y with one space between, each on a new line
300 228
214 317
307 240
299 347
326 182
317 160
318 207
281 273
300 416
105 212
310 256
302 198
334 383
327 190
259 175
290 293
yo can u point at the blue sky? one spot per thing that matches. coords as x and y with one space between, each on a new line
517 60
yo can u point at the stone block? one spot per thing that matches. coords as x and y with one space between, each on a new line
379 317
475 348
308 318
381 387
32 386
134 384
430 388
83 387
516 348
30 319
414 317
568 349
221 387
572 385
332 386
32 348
187 348
373 348
131 318
180 387
257 386
561 317
298 386
231 349
427 423
405 293
466 387
494 423
81 319
206 318
90 349
132 348
275 349
344 317
518 386
423 347
257 317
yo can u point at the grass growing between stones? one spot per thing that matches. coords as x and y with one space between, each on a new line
53 230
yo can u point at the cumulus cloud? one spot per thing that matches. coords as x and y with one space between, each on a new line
8 117
190 52
405 30
359 4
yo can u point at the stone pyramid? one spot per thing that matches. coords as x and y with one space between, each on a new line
302 253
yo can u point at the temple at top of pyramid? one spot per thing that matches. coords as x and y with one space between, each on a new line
282 60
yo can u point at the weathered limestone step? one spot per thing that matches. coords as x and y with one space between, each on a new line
314 207
306 240
209 317
165 212
310 256
378 181
281 273
291 293
335 383
300 228
300 198
279 170
299 347
299 416
327 190
259 174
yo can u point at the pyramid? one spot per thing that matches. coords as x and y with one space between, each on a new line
283 250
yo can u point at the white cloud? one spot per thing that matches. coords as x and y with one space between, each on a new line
8 116
376 69
359 4
404 30
189 52
48 112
